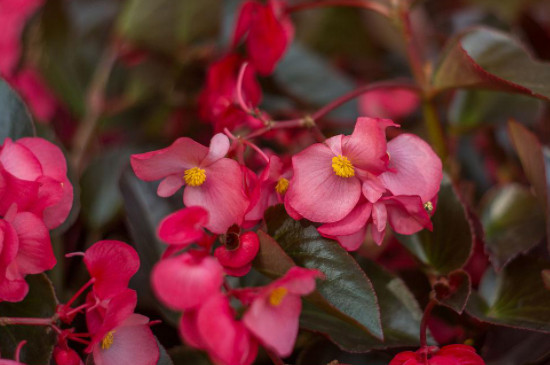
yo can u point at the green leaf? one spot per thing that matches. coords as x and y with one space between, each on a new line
471 109
40 302
535 164
271 260
144 210
489 59
400 315
448 246
515 297
513 222
346 287
454 290
167 25
164 358
512 346
15 119
100 195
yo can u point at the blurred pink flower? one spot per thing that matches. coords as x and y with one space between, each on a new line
448 355
388 103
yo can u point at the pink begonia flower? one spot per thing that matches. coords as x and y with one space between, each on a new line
388 103
183 227
236 257
212 327
25 248
329 177
448 355
268 31
187 280
270 189
273 315
35 160
120 336
64 355
218 103
111 263
213 181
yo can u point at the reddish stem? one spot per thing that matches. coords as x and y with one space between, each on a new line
274 357
79 292
18 349
257 149
240 80
27 321
365 4
424 323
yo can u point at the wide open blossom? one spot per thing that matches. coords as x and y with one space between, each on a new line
212 181
218 103
448 355
267 30
25 248
212 327
33 175
329 178
273 315
409 187
120 336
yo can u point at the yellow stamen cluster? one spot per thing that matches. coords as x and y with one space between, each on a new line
277 295
282 185
429 206
107 341
342 166
194 176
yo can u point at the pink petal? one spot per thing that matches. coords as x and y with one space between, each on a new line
353 241
35 254
351 223
189 329
388 103
377 236
406 214
17 191
50 157
9 246
372 188
246 13
275 326
13 290
112 264
248 248
170 185
222 195
316 192
366 147
19 161
298 280
183 154
379 216
219 145
133 344
185 282
184 226
415 169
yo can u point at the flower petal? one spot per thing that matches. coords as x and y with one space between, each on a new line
219 145
352 223
316 192
35 254
406 214
184 226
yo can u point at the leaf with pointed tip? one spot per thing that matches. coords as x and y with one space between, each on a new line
489 59
513 221
535 163
15 119
449 245
454 293
515 297
346 287
400 315
40 302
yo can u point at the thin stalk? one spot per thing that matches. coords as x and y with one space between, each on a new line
274 358
424 323
27 321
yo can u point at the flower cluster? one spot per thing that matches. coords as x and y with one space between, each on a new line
116 334
35 196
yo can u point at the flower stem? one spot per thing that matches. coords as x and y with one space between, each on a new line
79 292
274 357
424 323
94 107
365 4
27 321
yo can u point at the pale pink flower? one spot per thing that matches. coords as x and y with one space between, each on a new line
213 182
388 103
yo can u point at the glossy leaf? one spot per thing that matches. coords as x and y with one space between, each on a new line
513 221
40 302
15 119
471 109
346 287
512 346
400 313
535 164
144 210
489 59
454 291
448 246
271 260
515 297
